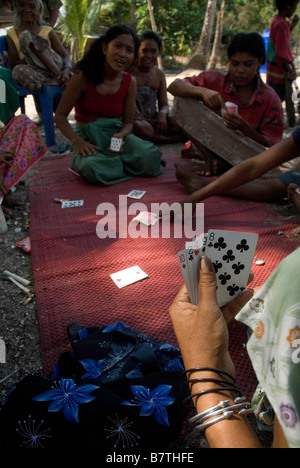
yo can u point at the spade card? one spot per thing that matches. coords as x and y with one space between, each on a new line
115 144
129 276
232 254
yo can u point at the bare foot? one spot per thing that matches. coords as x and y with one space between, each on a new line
190 180
294 195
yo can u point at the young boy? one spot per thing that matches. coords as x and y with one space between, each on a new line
259 119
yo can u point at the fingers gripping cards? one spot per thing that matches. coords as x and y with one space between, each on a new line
232 255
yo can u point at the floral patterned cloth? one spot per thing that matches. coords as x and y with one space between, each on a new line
22 138
118 389
274 347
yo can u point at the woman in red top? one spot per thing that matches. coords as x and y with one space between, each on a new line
104 98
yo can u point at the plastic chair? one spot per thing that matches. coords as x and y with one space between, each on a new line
46 97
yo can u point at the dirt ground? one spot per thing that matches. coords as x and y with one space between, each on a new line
19 329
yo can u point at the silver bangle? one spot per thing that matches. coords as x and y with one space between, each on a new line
241 406
226 415
221 406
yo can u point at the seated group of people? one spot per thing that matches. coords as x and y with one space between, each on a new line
118 91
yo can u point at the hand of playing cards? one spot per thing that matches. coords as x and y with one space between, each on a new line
232 255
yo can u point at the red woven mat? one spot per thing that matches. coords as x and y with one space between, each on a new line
72 266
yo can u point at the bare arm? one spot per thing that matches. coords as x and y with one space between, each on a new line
53 17
182 88
249 170
129 111
59 48
71 95
13 56
203 339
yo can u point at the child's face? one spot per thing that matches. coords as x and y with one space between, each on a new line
120 52
243 68
148 53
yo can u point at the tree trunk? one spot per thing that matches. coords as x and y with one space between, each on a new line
153 26
132 15
215 55
200 58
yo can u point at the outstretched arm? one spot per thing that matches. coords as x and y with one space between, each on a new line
249 170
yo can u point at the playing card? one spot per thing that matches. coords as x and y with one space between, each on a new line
72 204
129 276
136 194
195 249
184 265
232 108
115 144
149 219
232 254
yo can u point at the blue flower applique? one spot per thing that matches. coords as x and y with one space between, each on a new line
119 326
94 368
67 396
152 402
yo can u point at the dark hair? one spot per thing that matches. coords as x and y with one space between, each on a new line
149 34
282 4
93 61
252 43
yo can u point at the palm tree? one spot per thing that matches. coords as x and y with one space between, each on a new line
77 21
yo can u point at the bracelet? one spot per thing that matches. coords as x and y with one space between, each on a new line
206 369
240 407
239 404
221 406
212 390
226 415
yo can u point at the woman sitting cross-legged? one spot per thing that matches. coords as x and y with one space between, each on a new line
104 96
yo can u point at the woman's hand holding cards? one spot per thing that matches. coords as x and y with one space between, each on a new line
201 330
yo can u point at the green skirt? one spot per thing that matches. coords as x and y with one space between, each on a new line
139 158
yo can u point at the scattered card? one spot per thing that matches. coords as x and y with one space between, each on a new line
115 144
72 204
232 254
149 219
136 194
129 276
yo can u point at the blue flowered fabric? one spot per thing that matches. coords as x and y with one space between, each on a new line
117 387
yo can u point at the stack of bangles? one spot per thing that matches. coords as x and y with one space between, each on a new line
225 409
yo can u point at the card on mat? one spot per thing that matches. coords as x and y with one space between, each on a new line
149 219
232 254
136 194
72 204
129 276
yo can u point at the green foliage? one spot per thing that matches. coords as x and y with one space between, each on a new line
179 22
77 21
